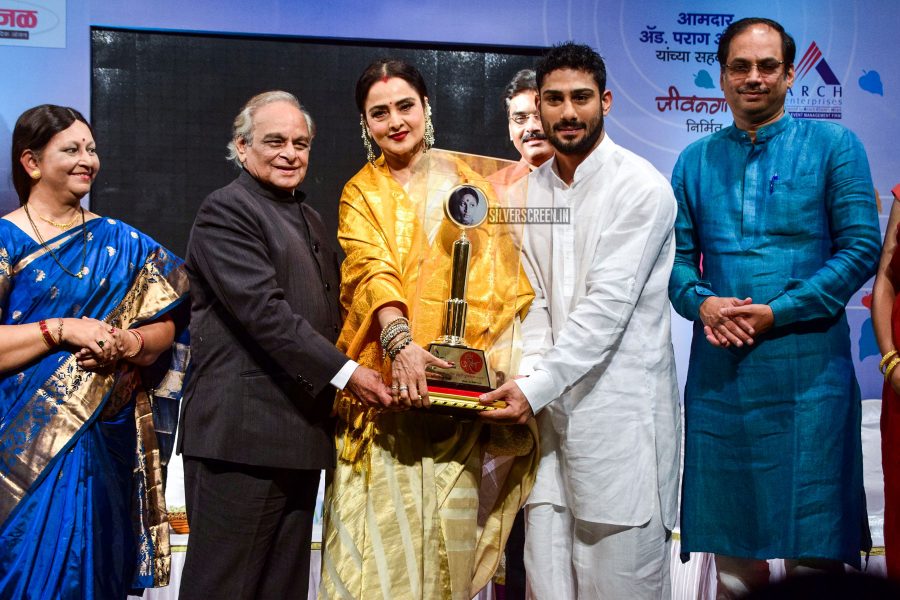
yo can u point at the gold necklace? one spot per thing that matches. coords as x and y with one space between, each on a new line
62 226
44 245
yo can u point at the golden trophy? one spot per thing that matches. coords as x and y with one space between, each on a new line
457 389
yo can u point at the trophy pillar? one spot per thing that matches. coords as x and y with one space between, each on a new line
456 307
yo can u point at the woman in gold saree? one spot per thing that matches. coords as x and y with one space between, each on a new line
84 303
402 509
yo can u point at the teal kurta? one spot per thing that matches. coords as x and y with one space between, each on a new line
773 460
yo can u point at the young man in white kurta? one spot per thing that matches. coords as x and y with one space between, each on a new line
598 341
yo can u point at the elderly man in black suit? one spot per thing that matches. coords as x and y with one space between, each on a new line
256 429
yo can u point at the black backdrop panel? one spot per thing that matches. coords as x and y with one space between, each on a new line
163 103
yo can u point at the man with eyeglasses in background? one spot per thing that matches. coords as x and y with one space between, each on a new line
783 214
525 130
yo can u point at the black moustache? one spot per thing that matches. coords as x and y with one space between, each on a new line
754 89
533 135
569 125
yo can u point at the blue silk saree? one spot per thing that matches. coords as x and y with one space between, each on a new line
82 507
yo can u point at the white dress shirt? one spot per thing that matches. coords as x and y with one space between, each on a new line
597 340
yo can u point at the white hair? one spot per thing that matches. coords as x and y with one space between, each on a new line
243 123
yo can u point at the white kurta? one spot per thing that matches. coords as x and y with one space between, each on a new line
598 340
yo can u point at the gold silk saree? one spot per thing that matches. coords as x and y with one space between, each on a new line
402 508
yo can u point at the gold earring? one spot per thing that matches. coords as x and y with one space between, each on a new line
36 174
429 127
367 143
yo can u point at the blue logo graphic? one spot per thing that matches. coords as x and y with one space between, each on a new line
868 346
704 79
871 82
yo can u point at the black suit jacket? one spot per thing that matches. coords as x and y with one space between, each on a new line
264 318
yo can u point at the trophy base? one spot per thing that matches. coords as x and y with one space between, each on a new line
469 371
455 390
458 402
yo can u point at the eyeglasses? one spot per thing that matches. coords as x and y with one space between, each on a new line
521 118
742 68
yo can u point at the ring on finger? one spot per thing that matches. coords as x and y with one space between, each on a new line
100 343
403 388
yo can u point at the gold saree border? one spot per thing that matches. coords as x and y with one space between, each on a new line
153 548
4 275
43 250
7 270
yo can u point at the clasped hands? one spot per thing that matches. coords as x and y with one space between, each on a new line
100 344
734 322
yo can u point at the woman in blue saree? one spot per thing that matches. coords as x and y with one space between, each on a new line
85 303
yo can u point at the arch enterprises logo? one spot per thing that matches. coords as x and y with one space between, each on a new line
810 99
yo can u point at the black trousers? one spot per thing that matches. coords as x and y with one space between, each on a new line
515 560
250 530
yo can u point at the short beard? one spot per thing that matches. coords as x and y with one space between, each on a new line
595 127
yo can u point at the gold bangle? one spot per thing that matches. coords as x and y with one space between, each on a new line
885 359
59 330
891 366
140 340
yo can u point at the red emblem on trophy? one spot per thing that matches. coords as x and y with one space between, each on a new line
471 362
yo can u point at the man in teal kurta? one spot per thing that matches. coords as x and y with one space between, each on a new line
777 228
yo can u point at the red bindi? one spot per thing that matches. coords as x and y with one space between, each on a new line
384 79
